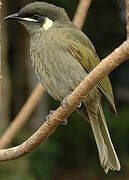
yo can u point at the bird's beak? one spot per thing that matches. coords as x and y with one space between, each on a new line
17 17
12 17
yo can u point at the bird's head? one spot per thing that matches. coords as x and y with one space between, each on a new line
40 15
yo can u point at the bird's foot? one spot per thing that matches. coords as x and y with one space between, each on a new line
65 122
48 116
51 113
64 102
79 105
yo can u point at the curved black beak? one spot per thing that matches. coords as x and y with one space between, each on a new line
17 17
12 17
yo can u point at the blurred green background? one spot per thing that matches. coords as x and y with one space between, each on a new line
70 152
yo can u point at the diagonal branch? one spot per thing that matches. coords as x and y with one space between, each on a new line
34 98
22 117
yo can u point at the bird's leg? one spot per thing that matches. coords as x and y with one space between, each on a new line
63 104
51 113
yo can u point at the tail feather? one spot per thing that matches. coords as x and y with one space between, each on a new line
107 154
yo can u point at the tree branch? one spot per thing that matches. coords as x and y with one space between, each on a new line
0 57
81 13
127 17
22 116
32 101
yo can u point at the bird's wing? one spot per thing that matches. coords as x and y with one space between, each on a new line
89 60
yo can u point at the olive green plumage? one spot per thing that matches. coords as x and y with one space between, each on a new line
62 56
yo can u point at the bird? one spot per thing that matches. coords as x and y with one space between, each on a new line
62 56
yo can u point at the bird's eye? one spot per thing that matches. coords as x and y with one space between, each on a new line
36 16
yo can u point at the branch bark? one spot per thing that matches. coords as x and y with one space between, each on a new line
0 57
32 101
22 117
127 17
81 13
119 55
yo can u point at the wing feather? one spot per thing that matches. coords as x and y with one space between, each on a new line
89 60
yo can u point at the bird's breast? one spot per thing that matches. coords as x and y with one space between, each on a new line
55 67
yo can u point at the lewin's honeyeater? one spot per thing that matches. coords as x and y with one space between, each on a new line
62 56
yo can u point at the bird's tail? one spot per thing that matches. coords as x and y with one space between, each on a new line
107 154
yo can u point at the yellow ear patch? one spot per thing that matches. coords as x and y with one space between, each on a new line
47 23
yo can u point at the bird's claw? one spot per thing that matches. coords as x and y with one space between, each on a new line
64 122
79 105
64 102
51 113
48 116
